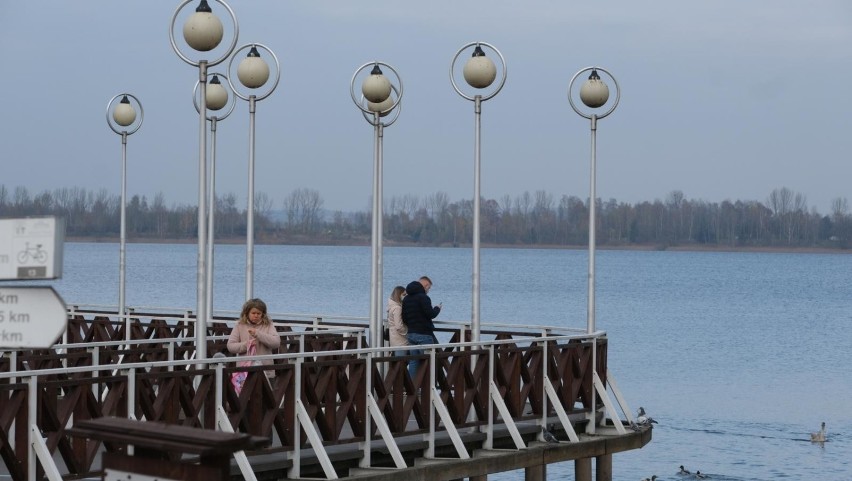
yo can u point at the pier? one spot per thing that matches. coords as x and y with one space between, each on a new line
329 405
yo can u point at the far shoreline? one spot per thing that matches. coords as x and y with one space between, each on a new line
365 243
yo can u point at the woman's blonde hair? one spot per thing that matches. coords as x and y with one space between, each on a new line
398 293
254 304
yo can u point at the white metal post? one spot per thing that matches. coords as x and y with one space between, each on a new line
201 275
122 259
477 103
211 215
250 208
592 228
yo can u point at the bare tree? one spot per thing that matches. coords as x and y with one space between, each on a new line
22 196
674 204
437 204
839 208
842 221
302 208
262 208
161 214
228 217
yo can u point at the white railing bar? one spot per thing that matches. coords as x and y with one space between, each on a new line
13 365
610 408
366 458
32 420
295 471
384 430
287 356
131 393
438 406
224 425
489 433
560 413
178 340
315 440
494 394
96 362
220 379
39 449
181 313
317 319
546 378
430 451
619 398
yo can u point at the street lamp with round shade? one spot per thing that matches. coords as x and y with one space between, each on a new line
376 87
479 71
217 95
124 116
386 98
124 113
203 30
594 93
383 108
220 105
253 71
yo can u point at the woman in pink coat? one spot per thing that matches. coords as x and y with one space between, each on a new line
254 329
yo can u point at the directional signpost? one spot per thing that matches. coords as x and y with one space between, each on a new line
30 317
31 248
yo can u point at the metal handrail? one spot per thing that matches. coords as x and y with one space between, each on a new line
289 356
188 315
369 355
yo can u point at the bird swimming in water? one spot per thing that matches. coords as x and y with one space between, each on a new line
652 478
699 475
819 436
683 470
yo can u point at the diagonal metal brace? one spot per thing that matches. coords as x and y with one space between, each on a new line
610 407
386 433
315 440
224 425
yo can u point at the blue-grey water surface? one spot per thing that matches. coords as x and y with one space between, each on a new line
739 356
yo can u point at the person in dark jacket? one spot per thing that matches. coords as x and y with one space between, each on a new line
417 314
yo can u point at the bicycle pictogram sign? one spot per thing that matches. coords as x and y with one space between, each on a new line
36 253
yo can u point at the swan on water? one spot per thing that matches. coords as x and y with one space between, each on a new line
819 436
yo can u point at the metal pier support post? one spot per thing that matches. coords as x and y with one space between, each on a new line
583 469
603 467
536 473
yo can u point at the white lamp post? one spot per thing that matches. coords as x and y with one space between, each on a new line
253 73
217 99
479 72
202 32
379 97
123 122
594 94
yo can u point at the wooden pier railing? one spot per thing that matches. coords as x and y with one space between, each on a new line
324 389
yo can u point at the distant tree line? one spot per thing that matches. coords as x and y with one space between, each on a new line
783 220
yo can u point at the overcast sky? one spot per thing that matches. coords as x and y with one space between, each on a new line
725 99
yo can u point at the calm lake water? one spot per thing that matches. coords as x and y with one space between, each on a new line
739 356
